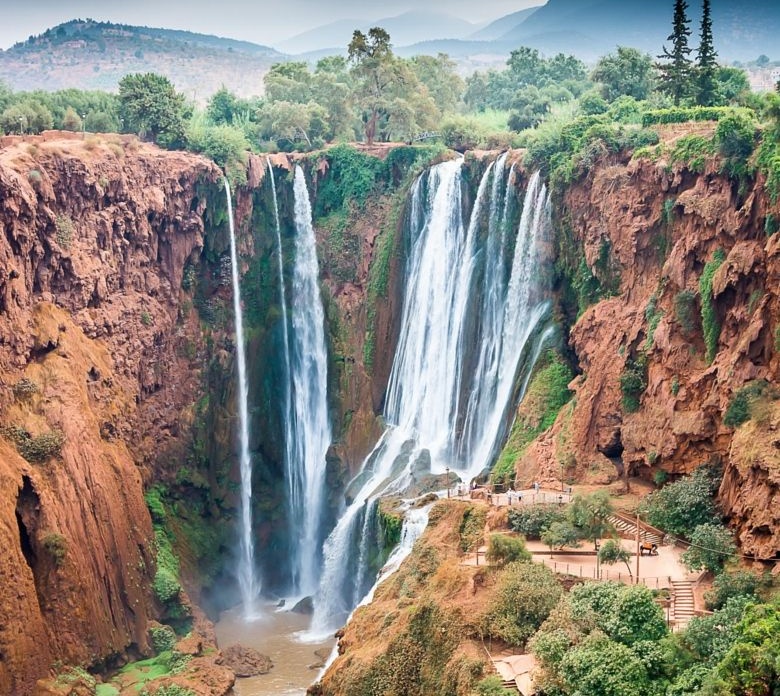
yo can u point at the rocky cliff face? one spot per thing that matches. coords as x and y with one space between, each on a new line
650 231
94 238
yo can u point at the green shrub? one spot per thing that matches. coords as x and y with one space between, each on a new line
693 151
24 388
352 177
712 545
163 638
685 311
492 686
532 520
683 114
38 448
633 382
503 549
525 596
154 501
770 225
57 547
679 507
709 317
472 528
736 137
64 230
146 318
166 583
738 411
34 176
741 583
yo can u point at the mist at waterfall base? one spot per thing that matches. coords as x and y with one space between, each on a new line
474 321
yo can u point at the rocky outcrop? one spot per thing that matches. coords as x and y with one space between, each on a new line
94 239
648 229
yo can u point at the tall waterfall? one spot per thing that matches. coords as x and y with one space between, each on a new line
247 581
307 431
471 317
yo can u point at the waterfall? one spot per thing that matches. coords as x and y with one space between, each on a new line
248 583
307 428
473 314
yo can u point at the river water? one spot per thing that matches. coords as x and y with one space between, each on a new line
275 635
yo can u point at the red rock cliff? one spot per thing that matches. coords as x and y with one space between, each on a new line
650 228
94 236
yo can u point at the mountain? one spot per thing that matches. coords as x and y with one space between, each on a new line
404 29
589 29
503 25
743 28
96 55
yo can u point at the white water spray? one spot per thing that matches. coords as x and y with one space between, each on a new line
247 580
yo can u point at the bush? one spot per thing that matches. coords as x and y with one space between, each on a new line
57 547
683 114
525 596
472 528
24 388
741 583
532 520
503 549
739 410
711 546
38 448
735 137
461 133
633 382
163 638
64 230
492 686
709 317
680 507
693 151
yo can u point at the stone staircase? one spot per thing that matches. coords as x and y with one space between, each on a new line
683 606
627 530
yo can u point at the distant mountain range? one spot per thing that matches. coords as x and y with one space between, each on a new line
744 29
407 28
96 55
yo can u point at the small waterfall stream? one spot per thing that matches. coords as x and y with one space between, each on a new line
248 583
472 318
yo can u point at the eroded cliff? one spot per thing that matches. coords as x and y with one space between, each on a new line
678 312
97 388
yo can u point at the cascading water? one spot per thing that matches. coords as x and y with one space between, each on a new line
247 580
307 429
470 319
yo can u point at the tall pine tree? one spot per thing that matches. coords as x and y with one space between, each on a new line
706 65
676 74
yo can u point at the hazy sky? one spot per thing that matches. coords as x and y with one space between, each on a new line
261 21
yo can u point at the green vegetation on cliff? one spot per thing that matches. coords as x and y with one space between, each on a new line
547 393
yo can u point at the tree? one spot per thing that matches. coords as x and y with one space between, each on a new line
152 108
222 107
375 67
71 121
706 65
589 516
560 534
525 596
440 79
679 507
711 546
676 74
612 552
601 667
636 617
627 72
503 549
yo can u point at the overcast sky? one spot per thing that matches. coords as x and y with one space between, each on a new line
262 21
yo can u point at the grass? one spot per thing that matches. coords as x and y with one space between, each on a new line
491 119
